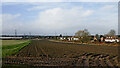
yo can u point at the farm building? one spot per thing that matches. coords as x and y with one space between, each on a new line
106 39
72 38
62 38
10 38
112 39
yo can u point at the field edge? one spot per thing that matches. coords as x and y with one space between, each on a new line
9 50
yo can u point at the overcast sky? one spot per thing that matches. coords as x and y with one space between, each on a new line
48 18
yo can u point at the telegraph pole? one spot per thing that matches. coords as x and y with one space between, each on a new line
24 35
66 34
30 34
15 33
55 36
55 33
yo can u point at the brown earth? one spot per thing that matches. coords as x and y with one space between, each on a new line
48 53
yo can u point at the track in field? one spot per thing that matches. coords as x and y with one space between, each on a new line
47 53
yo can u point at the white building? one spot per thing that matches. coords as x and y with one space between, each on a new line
112 39
69 38
6 38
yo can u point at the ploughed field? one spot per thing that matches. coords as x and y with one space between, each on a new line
49 53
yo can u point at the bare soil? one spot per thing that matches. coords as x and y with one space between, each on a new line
47 53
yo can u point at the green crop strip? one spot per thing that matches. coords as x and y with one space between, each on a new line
11 49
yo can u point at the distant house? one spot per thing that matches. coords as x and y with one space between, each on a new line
76 39
62 38
11 38
95 39
72 38
112 39
102 39
99 38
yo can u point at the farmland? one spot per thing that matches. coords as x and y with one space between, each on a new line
10 47
12 42
49 53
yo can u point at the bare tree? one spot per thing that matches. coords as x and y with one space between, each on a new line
84 35
111 32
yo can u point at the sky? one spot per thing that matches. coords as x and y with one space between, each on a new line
50 18
60 0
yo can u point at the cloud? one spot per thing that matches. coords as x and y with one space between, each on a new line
37 8
108 7
58 19
106 18
9 17
64 20
88 13
10 22
77 18
32 0
60 0
43 6
92 0
50 20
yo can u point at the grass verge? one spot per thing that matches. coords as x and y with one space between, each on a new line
15 66
11 49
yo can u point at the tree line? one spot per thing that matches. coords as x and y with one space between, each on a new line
84 35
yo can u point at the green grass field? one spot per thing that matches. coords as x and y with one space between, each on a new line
10 47
12 42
